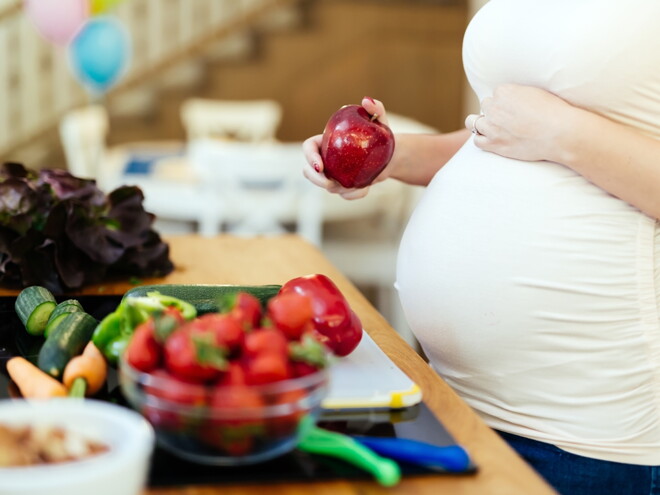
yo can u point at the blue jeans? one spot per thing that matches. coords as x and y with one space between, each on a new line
572 474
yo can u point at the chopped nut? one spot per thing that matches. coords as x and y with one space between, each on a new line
30 445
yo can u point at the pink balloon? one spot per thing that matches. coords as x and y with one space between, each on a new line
57 20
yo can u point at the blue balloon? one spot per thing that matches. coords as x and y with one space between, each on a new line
100 52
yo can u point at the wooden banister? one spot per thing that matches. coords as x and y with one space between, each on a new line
48 123
197 47
11 10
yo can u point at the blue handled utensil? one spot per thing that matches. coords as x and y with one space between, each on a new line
452 458
317 440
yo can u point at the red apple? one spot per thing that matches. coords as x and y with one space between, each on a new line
356 147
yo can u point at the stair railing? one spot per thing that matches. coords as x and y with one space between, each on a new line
37 86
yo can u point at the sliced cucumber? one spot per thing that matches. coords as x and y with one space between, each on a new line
34 306
68 306
53 323
59 314
66 341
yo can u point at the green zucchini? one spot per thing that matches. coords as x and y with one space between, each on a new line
205 297
66 307
66 341
34 306
59 314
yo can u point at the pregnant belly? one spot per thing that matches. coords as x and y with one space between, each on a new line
504 259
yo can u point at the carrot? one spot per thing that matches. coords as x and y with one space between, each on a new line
90 368
32 382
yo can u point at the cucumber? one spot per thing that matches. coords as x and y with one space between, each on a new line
66 341
205 297
59 314
67 306
34 306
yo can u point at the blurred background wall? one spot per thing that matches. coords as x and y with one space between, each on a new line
310 55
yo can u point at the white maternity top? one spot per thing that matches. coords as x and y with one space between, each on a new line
535 293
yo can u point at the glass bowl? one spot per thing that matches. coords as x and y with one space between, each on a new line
245 425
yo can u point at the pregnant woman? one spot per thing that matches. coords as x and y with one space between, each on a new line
530 270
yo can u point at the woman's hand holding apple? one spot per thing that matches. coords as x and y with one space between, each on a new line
314 169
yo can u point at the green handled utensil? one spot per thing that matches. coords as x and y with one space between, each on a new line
316 440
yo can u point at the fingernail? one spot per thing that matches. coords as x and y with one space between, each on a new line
370 99
317 167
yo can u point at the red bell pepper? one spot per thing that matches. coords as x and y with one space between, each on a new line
339 327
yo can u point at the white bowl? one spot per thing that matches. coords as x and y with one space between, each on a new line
122 470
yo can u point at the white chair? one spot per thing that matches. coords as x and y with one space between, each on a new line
256 189
247 120
83 135
174 191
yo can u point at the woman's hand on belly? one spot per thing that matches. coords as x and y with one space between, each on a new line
520 122
528 123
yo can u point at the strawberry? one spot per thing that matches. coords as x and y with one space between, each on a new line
193 354
301 368
235 375
291 312
267 339
267 367
175 313
283 425
227 330
171 389
244 308
143 351
238 420
308 355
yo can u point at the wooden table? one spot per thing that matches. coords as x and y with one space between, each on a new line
274 260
